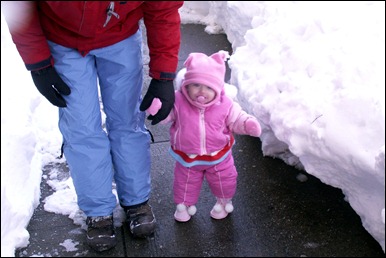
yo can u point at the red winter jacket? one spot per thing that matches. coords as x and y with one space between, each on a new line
84 25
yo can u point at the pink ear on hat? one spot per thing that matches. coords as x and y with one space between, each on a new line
206 70
221 55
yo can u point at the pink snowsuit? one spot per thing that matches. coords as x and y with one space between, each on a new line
201 135
201 141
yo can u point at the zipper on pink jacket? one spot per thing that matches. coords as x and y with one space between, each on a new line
202 132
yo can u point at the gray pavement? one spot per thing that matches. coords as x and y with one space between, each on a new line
275 214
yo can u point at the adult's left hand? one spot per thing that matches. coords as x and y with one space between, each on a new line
164 91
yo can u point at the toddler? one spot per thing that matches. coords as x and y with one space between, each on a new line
203 121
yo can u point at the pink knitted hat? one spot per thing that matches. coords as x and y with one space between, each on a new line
207 70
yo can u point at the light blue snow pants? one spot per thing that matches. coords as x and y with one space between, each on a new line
94 156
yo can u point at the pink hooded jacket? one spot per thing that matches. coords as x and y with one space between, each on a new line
203 133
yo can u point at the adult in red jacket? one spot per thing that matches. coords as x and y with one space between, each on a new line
71 47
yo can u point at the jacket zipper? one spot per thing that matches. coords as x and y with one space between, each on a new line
110 12
202 132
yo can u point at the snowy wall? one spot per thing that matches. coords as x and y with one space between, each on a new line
285 51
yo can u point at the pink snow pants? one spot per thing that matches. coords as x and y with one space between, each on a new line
221 178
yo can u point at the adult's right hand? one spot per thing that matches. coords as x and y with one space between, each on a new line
51 86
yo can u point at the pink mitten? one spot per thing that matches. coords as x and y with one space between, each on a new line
252 127
154 107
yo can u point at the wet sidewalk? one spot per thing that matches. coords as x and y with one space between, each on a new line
275 214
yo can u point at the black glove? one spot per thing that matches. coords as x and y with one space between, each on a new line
51 86
164 90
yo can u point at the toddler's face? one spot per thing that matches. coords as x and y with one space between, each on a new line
200 93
